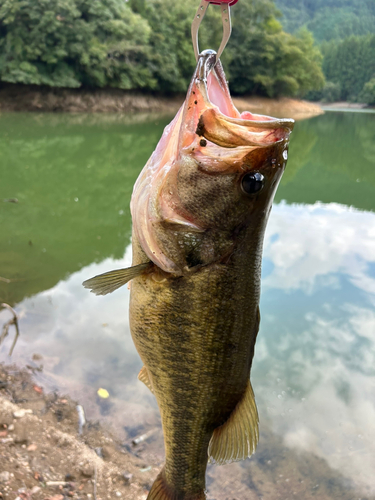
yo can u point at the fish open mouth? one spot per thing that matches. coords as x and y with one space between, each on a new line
211 135
211 114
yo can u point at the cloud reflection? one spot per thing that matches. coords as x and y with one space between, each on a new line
306 242
315 358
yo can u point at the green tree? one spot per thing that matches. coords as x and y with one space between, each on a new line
329 19
68 43
266 60
368 92
350 63
172 58
147 44
260 57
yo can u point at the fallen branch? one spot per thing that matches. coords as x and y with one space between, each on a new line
57 483
13 321
143 437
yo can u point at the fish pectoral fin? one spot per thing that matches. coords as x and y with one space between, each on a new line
238 437
144 377
111 281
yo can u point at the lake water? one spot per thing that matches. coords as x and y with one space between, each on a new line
314 367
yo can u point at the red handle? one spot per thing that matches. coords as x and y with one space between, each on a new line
231 2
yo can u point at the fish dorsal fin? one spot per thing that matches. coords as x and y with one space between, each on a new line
143 376
238 437
111 281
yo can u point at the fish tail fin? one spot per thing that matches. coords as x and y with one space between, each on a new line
161 490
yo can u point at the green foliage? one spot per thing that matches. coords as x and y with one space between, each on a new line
67 43
368 93
265 60
147 44
329 19
172 56
350 63
331 92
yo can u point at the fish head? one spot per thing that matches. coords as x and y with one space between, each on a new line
208 188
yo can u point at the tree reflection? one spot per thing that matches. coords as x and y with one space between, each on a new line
332 160
73 179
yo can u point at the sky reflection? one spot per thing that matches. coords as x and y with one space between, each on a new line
318 333
314 367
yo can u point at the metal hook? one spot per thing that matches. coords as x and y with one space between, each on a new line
227 25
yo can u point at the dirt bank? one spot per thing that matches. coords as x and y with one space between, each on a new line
35 98
47 454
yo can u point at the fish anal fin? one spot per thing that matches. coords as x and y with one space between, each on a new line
111 281
144 377
238 437
161 490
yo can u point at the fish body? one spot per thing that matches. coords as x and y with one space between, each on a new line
200 208
196 337
195 317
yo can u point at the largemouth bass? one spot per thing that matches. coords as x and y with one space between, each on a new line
200 208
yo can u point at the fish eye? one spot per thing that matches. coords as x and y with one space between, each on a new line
252 183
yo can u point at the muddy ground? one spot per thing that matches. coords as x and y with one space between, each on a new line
46 99
46 452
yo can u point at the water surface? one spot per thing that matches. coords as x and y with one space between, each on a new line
314 366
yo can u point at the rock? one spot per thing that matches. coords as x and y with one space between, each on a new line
118 494
21 413
87 470
20 433
127 477
32 447
6 440
106 452
4 477
64 440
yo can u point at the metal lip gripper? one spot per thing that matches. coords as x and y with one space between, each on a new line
227 24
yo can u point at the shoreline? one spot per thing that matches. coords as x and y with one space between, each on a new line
29 98
49 450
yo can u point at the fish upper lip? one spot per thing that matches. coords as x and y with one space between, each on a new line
206 64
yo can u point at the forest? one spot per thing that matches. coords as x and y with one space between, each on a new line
146 44
328 19
344 31
275 50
